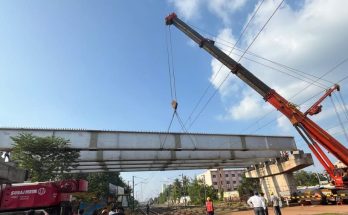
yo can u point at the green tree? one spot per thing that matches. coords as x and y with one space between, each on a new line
98 183
46 158
198 192
176 190
248 186
195 189
304 178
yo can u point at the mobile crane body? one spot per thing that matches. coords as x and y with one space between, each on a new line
312 133
39 195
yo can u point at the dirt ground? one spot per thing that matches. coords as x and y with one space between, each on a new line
299 210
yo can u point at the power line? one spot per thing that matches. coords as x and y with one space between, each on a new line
216 74
339 118
300 91
216 90
257 35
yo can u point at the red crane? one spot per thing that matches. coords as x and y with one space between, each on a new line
312 133
52 195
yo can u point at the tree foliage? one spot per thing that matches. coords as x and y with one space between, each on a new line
304 178
193 188
248 186
46 158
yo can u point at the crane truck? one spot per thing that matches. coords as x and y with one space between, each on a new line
52 196
315 136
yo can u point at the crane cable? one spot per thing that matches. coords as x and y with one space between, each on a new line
173 93
223 81
170 62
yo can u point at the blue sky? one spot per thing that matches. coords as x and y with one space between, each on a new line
103 65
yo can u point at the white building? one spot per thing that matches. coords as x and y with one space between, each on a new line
223 180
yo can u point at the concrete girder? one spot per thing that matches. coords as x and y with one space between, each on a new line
106 163
123 140
179 166
91 156
145 169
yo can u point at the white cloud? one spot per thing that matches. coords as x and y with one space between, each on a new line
312 39
191 9
248 108
220 72
284 124
187 8
224 8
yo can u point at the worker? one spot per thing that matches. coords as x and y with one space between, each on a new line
275 202
147 209
256 202
209 207
264 199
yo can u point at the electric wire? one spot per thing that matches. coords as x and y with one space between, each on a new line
263 27
302 78
339 118
221 65
296 94
343 104
226 77
297 71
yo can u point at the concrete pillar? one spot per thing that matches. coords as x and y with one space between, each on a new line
276 175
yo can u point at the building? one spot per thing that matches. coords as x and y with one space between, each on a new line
223 180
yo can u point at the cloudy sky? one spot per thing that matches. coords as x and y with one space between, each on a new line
103 65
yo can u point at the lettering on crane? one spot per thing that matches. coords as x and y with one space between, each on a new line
40 191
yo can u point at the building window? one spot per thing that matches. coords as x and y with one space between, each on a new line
215 183
228 189
234 182
227 182
226 175
233 175
214 176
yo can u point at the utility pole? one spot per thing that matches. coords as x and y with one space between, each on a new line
183 189
133 202
205 189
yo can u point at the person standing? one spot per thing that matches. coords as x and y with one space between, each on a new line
275 202
209 207
147 209
256 202
264 201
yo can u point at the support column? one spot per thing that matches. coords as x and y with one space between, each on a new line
276 175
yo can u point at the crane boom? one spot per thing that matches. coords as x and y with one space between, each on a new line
313 134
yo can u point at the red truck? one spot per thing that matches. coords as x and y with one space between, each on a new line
52 196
